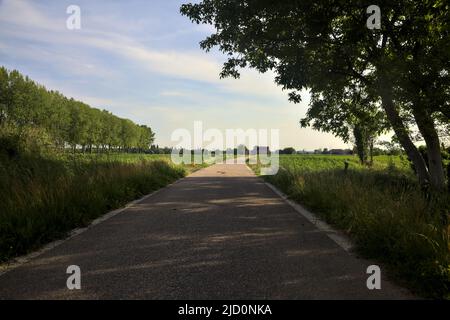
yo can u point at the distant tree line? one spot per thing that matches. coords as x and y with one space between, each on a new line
156 149
67 123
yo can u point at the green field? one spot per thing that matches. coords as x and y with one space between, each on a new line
381 208
329 162
42 198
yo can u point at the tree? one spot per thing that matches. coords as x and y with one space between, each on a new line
4 93
94 128
56 117
78 127
146 138
129 135
351 115
325 47
288 150
31 109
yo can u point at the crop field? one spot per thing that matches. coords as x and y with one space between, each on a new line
332 162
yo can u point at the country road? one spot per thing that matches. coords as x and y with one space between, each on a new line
220 233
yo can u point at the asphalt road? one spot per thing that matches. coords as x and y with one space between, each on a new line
220 233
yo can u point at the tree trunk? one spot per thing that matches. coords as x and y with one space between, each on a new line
371 143
360 143
402 134
448 176
427 128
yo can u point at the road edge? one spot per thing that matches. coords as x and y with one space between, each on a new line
337 236
21 260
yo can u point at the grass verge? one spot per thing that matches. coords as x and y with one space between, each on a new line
385 213
42 199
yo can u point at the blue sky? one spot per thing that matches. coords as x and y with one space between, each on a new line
142 61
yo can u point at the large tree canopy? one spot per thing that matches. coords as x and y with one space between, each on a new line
325 46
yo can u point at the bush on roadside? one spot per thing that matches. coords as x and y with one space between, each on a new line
24 141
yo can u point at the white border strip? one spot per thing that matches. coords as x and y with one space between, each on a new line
337 236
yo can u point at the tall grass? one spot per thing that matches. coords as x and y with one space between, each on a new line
41 199
384 211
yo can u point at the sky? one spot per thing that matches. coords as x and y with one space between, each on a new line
141 60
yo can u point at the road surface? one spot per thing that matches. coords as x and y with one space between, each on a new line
220 233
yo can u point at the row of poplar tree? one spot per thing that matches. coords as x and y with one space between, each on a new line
69 124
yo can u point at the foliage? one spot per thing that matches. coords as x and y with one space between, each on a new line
325 47
288 150
29 111
346 115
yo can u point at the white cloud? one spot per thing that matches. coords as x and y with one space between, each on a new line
169 93
30 24
22 20
23 14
